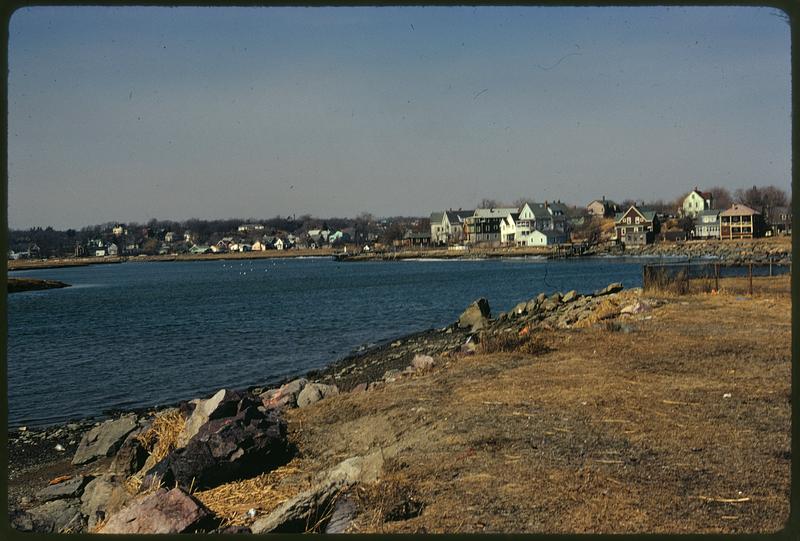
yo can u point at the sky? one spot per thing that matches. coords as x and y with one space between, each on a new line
132 113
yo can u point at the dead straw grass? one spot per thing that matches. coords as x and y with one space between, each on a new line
160 439
605 309
509 342
232 501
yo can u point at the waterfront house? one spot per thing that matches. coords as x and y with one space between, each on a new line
780 220
448 227
546 238
740 222
438 233
100 252
113 249
706 224
484 225
695 202
415 238
278 243
118 230
259 246
636 226
199 249
169 236
510 235
602 208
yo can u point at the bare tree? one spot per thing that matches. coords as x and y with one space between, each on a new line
487 203
722 197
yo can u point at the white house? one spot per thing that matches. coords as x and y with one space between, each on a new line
696 202
278 244
113 249
118 230
706 224
546 238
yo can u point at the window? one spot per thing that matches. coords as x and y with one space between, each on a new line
637 219
629 219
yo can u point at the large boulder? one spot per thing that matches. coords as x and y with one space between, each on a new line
162 511
243 445
570 296
69 488
422 362
130 458
51 517
104 440
476 316
285 396
616 287
102 496
314 392
222 404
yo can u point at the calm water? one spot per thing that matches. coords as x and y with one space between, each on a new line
141 334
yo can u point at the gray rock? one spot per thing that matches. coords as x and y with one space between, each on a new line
163 511
476 316
344 511
71 488
101 496
130 458
570 296
56 516
609 289
222 404
520 308
308 506
555 298
104 440
314 392
285 396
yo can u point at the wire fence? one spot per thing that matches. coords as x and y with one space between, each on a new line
687 277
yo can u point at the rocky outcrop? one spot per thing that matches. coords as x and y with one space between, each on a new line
162 511
476 316
104 440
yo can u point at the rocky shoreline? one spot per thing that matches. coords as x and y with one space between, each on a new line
778 251
94 475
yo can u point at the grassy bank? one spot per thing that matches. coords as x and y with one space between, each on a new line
681 425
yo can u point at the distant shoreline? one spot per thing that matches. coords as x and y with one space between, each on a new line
776 248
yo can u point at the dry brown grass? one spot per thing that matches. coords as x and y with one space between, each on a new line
159 440
232 501
509 342
665 429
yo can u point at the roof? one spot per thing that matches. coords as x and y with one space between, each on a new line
737 209
494 212
649 215
415 235
539 210
436 217
454 216
708 212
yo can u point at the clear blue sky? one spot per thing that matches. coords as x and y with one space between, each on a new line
131 113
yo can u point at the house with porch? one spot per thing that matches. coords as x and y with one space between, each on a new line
740 222
706 224
484 225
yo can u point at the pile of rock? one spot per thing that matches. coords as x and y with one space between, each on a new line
228 436
728 251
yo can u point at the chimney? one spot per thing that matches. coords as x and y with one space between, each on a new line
604 199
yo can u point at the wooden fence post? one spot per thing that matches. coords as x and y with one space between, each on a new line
750 273
716 277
